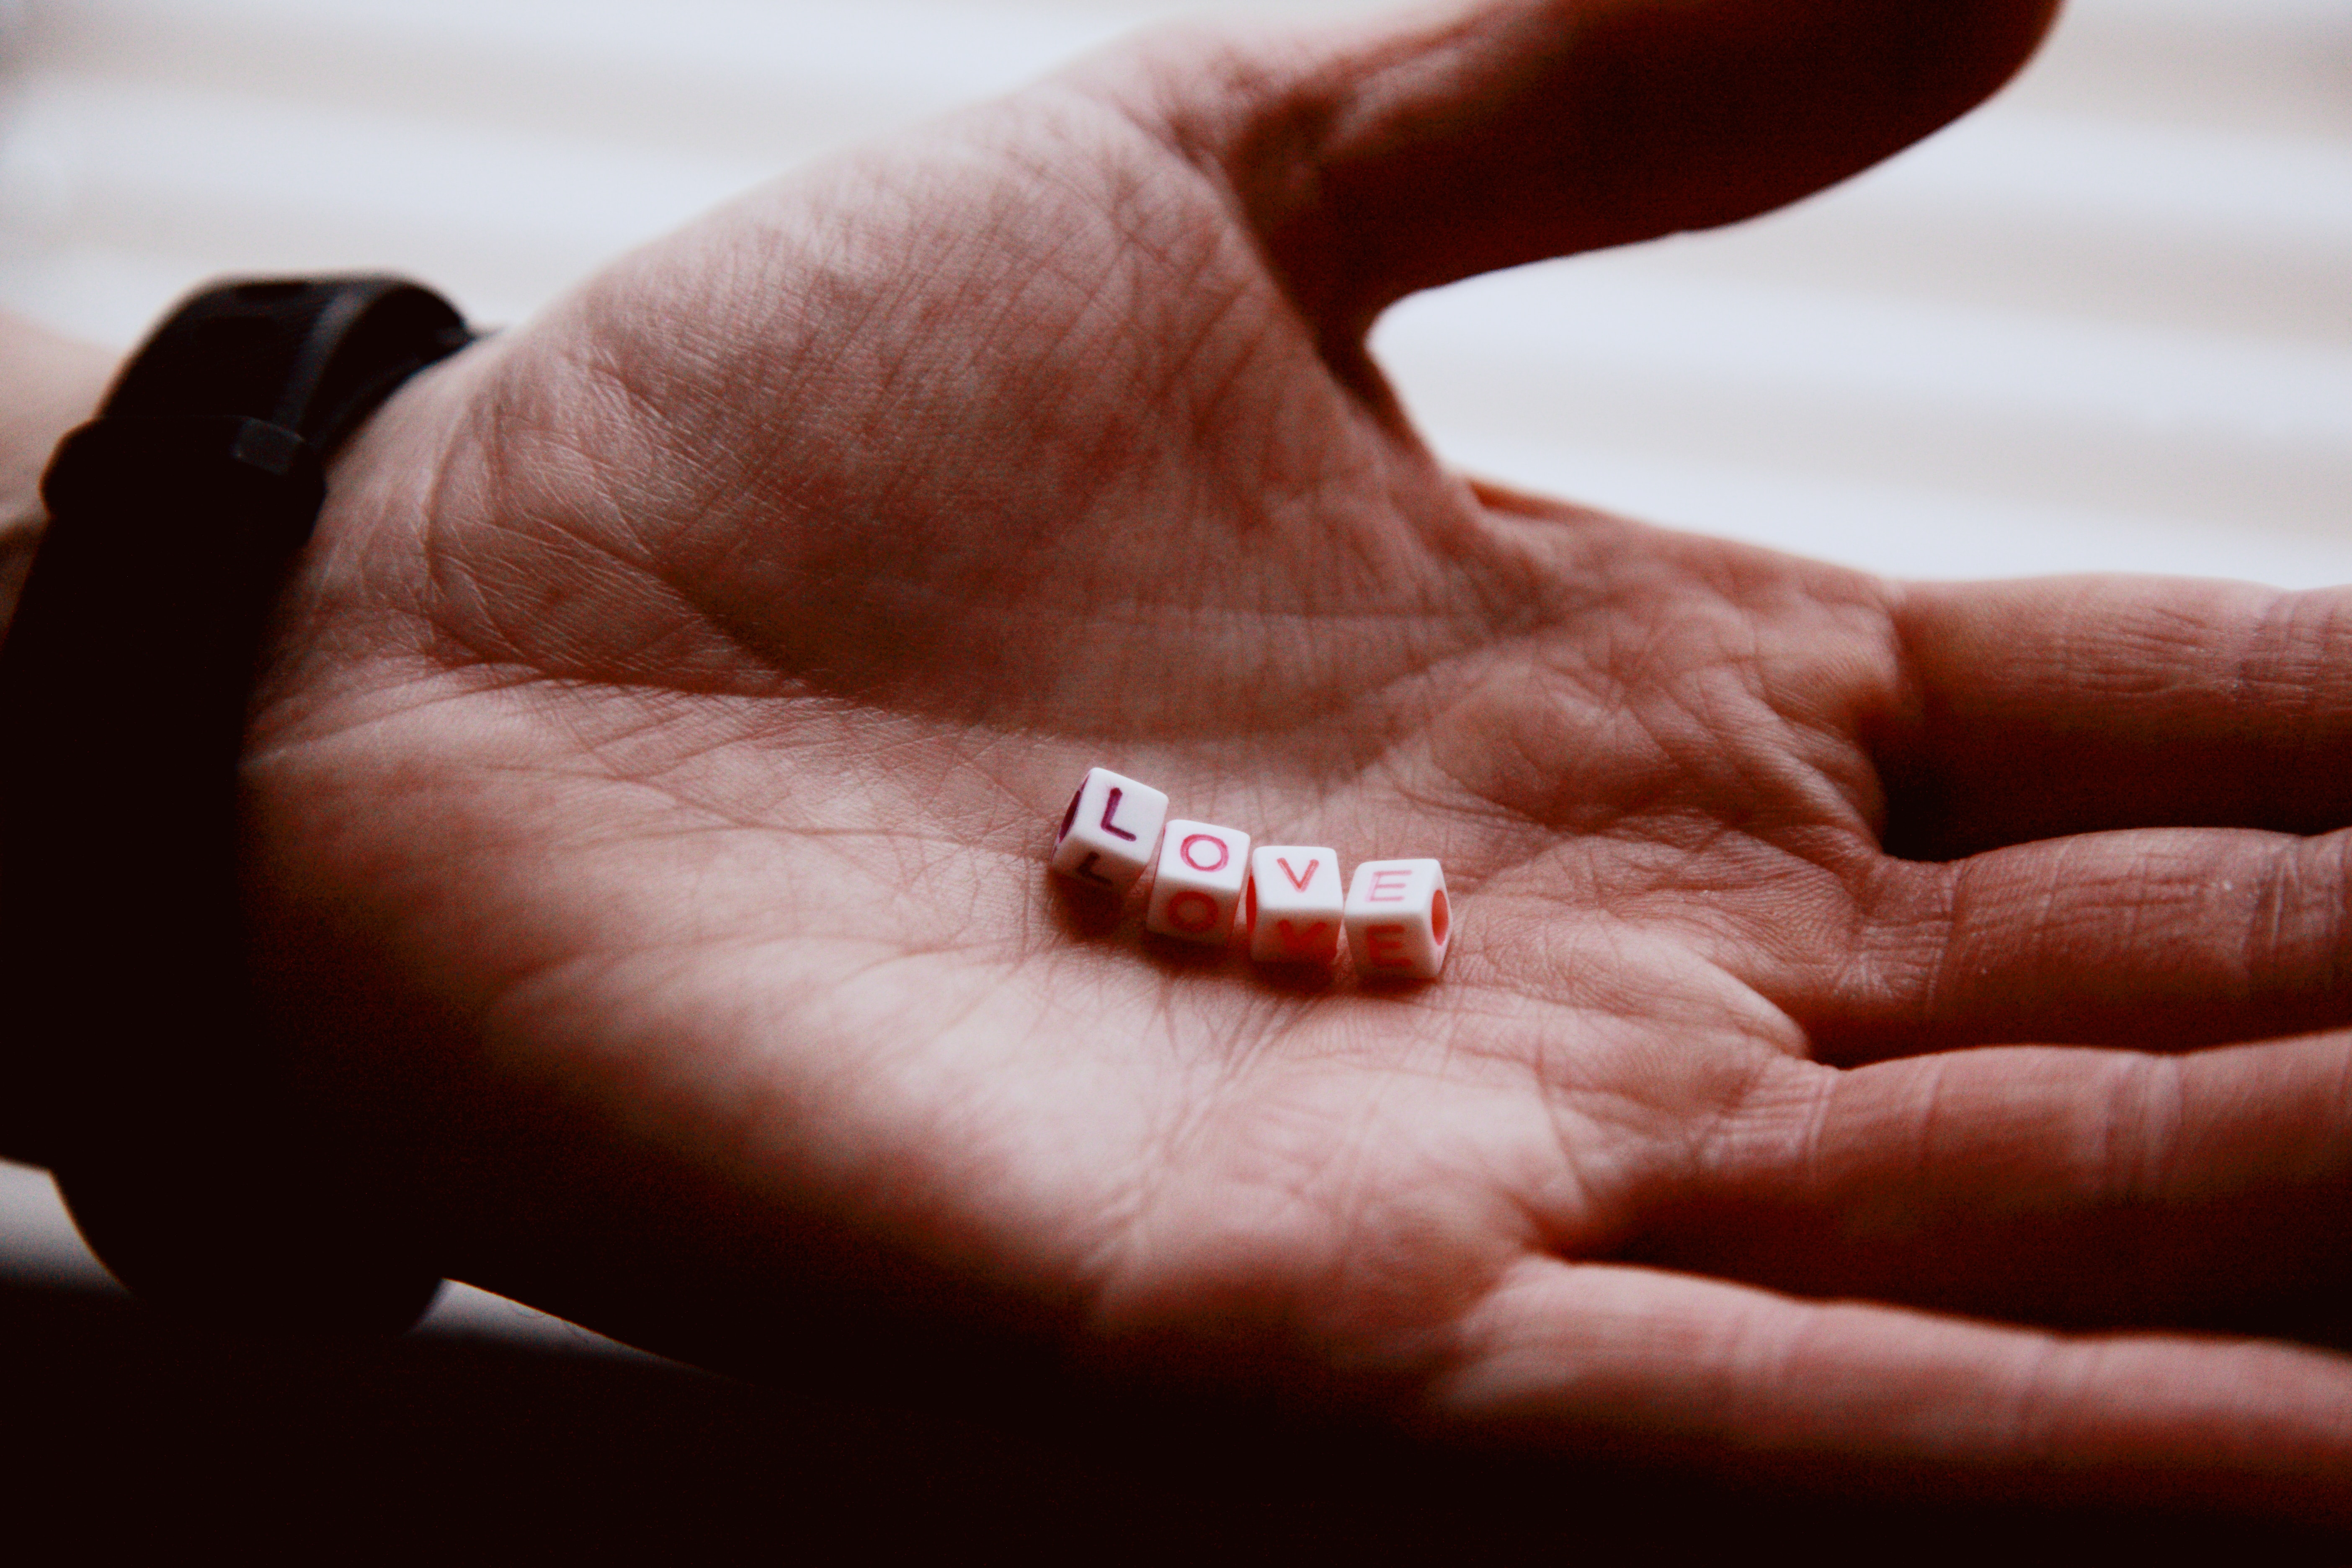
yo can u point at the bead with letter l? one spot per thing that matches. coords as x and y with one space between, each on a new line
1198 888
1400 925
1293 906
1109 831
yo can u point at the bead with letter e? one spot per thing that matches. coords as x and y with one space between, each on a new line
1399 923
1292 910
1109 831
1197 891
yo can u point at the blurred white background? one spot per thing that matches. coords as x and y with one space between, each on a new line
2103 323
2106 323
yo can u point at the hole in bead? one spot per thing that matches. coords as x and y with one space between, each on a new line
1440 918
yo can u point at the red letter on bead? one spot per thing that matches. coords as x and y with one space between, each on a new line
1295 904
1399 924
1197 891
1109 831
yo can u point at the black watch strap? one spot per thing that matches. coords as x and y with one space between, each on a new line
135 1065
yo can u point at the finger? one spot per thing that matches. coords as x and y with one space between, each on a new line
1390 158
2153 939
2067 1186
1843 1396
2056 706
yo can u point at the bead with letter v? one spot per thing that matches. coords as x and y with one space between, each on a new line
1109 831
1294 907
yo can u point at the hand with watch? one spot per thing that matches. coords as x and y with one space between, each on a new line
1894 1035
155 1095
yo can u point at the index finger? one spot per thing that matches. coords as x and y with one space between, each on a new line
2034 710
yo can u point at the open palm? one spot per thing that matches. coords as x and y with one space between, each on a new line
652 797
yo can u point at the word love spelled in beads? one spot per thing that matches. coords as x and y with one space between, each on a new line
1285 897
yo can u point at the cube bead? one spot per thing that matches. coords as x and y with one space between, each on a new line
1399 924
1197 891
1295 904
1111 831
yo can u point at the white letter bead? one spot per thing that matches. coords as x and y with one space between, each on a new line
1294 905
1198 888
1111 831
1399 926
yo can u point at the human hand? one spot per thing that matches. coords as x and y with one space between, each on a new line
650 799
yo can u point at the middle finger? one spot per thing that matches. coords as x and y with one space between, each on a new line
2157 939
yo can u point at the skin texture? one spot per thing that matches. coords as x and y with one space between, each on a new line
650 798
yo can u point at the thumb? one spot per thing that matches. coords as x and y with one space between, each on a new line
1386 159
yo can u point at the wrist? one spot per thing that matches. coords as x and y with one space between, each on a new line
54 384
125 681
